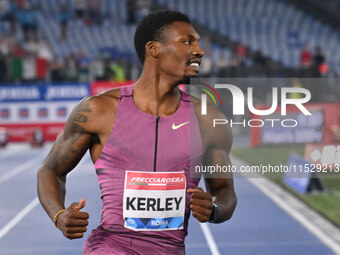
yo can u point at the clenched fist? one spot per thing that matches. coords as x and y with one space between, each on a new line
200 204
72 222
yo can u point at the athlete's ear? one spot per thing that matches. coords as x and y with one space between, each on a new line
152 49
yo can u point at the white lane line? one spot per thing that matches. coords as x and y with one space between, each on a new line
20 168
210 239
260 184
19 217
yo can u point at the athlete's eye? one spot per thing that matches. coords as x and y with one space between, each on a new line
186 42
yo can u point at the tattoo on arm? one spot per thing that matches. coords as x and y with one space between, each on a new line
71 146
80 117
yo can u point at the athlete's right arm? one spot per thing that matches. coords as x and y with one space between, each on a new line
65 154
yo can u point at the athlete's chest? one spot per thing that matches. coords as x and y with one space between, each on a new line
156 143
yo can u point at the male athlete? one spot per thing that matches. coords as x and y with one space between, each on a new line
143 140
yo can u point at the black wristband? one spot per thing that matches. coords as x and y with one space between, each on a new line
214 213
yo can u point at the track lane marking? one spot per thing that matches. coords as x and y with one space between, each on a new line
259 183
19 217
20 168
210 239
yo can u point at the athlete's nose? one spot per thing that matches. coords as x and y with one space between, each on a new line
198 52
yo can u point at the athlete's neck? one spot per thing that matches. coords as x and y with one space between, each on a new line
156 95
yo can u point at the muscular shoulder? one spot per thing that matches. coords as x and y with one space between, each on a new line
212 113
103 102
94 114
219 136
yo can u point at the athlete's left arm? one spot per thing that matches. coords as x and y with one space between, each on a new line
220 187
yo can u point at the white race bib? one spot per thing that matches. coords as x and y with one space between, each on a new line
154 201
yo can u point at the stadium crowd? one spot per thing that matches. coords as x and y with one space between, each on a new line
31 59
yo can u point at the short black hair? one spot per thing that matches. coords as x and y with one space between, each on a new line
151 27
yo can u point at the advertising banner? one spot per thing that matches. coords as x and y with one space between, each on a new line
316 128
24 109
100 86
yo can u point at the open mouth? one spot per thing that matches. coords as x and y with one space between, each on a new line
195 64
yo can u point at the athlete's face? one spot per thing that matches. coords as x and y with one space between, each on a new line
180 53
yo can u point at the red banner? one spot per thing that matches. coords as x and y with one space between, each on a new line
101 86
24 132
324 154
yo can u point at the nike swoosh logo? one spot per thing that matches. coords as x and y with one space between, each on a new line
174 127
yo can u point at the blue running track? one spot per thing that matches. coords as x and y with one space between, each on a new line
258 227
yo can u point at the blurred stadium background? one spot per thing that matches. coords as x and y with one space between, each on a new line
55 52
82 41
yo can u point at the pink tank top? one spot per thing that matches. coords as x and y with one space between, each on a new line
144 142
